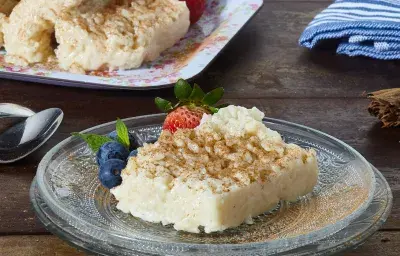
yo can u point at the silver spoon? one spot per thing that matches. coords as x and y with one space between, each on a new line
14 110
25 137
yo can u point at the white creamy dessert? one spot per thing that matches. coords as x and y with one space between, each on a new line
29 29
91 34
226 171
3 20
6 6
119 37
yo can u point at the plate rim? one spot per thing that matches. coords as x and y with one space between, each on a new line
358 239
198 247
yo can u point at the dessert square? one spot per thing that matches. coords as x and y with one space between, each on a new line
219 175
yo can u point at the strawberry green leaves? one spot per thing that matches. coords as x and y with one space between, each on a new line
182 90
197 93
94 141
122 134
163 105
191 97
214 96
214 110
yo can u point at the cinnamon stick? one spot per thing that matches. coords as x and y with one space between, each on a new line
385 104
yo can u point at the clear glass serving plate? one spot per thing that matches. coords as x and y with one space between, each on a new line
67 182
351 236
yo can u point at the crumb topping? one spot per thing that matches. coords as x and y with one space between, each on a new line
119 36
218 156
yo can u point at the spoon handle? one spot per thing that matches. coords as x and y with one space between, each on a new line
14 110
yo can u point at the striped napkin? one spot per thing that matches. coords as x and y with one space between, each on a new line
366 28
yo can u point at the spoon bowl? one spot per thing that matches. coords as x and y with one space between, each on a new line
14 110
25 137
11 114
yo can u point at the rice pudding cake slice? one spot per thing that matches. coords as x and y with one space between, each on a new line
221 174
120 36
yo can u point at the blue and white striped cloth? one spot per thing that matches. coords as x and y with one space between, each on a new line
366 28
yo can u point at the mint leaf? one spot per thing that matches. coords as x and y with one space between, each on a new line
163 105
182 89
94 141
214 96
197 93
122 133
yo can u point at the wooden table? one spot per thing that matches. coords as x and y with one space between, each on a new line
263 66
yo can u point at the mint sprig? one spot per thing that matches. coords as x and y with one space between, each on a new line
94 141
122 133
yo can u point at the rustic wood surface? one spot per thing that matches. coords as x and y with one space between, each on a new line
262 66
382 243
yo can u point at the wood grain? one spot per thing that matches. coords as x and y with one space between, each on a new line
381 243
273 65
262 66
36 246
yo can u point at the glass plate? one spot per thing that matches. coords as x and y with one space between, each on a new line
67 181
352 235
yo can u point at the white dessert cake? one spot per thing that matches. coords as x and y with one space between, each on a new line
6 6
221 174
119 37
91 34
28 31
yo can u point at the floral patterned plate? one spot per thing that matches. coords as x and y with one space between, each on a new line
221 21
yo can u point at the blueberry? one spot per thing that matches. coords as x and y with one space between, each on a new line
111 150
110 173
113 135
133 142
133 153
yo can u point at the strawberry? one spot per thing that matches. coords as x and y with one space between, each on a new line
184 118
192 104
196 8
